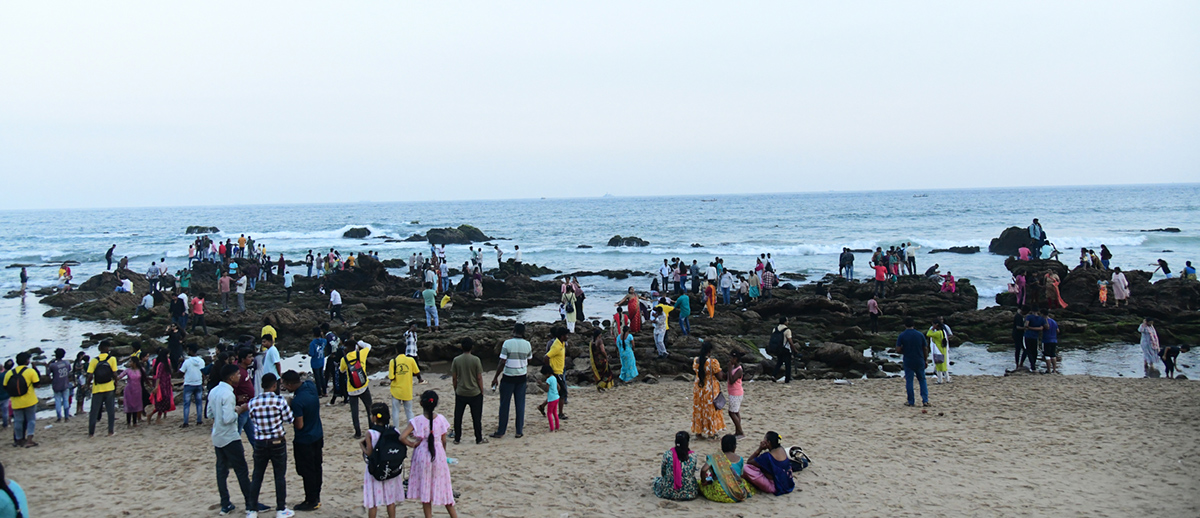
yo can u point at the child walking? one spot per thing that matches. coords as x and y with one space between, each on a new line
550 407
379 493
429 474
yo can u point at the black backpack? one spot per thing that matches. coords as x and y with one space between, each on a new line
103 373
17 385
776 346
386 460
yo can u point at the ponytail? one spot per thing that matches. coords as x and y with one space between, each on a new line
382 416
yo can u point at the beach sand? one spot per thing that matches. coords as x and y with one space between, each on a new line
1023 446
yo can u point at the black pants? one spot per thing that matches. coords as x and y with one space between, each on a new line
289 294
366 399
912 265
276 454
199 320
880 288
336 311
579 309
308 466
108 401
784 360
476 404
562 393
1018 348
132 418
1031 352
232 456
874 322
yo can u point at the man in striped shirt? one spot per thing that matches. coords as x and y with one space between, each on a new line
515 355
268 412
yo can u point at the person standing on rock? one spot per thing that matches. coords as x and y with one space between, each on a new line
915 350
431 311
873 311
467 379
684 306
518 259
241 293
658 317
568 300
335 306
1120 287
634 310
24 280
108 257
1035 238
781 346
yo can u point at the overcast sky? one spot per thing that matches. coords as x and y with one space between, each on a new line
157 103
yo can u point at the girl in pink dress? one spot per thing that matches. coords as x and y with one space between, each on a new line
379 493
429 475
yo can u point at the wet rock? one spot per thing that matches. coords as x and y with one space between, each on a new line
584 246
611 274
697 245
356 233
463 235
956 250
1168 229
201 230
892 367
627 241
1010 240
414 238
394 263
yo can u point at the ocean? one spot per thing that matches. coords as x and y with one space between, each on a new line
803 232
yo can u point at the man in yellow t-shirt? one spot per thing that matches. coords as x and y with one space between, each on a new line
269 330
357 393
400 371
104 390
557 358
24 407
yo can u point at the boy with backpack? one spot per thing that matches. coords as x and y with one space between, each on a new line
102 375
357 384
781 346
18 383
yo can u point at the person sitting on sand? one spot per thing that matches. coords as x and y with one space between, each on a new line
769 467
721 478
677 478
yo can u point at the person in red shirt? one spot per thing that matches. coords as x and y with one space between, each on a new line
244 390
881 275
197 303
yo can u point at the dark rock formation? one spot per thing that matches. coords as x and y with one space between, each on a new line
956 250
1168 229
356 233
394 263
201 230
463 235
627 241
584 246
697 245
611 274
1009 241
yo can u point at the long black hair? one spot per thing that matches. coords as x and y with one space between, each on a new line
773 440
702 362
429 401
681 445
382 415
7 491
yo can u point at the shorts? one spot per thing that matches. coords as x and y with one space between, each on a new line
1049 349
735 404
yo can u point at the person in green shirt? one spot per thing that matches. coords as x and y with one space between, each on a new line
683 304
431 313
467 372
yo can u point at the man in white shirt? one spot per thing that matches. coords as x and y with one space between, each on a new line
710 274
335 305
146 304
518 258
193 383
726 285
267 361
664 271
241 293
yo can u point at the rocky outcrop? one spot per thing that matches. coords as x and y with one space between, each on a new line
201 230
611 274
627 241
394 263
463 235
509 269
956 250
1009 241
356 233
1168 229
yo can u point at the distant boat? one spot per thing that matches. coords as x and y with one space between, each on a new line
712 200
920 196
607 195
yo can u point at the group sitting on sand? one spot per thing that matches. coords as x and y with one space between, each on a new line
725 476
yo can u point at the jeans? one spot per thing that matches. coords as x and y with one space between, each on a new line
1019 348
919 373
4 407
512 386
24 422
232 456
880 288
336 311
310 270
225 300
181 321
276 454
244 424
308 466
62 403
198 320
445 284
476 404
725 295
685 324
253 282
784 360
192 393
318 374
109 400
241 302
431 315
366 399
397 405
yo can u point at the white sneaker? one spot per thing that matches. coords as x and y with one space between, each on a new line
780 380
284 513
251 514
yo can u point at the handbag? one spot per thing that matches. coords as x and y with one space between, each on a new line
719 401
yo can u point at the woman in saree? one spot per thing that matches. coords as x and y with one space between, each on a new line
1150 345
677 479
477 280
755 286
600 366
163 396
769 468
1019 281
721 477
635 310
1053 298
948 284
629 370
707 419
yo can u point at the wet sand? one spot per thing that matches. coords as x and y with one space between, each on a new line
1024 446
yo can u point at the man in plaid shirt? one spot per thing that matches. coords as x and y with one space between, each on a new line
268 412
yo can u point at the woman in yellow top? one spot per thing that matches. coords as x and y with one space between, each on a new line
939 338
707 419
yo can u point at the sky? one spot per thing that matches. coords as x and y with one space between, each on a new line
118 104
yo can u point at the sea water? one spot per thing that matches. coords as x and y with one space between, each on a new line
804 233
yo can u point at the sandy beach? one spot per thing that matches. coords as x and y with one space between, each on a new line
1024 446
